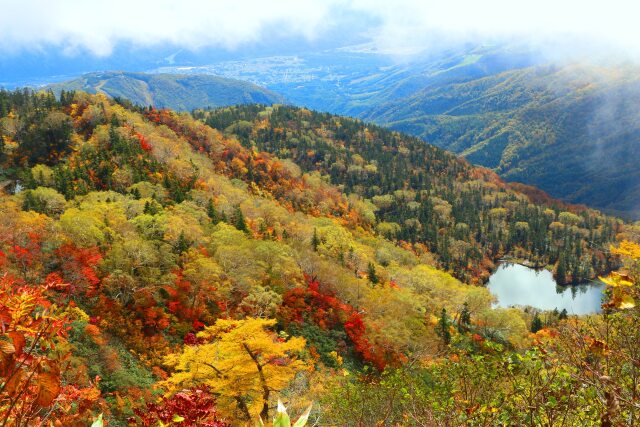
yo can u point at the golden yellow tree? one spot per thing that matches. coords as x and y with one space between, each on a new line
243 361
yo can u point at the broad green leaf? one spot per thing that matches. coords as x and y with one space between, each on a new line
98 422
282 419
302 421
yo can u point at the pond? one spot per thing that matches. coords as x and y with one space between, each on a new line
517 285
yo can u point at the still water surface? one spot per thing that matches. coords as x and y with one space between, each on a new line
515 284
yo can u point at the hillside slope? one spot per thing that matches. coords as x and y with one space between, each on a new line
422 194
174 91
293 255
572 131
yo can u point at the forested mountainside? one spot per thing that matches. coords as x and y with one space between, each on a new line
156 271
423 196
174 91
570 130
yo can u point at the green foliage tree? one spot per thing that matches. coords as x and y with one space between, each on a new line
182 244
44 200
238 220
536 323
212 213
443 327
464 320
315 240
371 273
46 139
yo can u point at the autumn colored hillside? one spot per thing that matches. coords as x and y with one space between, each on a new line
157 271
422 195
570 129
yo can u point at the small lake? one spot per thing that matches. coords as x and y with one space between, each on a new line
515 284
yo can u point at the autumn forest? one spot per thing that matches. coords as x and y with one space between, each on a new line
160 268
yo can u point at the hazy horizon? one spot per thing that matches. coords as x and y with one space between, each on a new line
97 29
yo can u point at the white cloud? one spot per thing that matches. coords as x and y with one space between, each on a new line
583 24
99 25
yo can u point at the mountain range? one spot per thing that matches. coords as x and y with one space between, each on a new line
571 130
174 91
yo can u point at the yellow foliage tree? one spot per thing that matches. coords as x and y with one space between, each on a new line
243 361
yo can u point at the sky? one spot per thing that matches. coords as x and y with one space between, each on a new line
78 27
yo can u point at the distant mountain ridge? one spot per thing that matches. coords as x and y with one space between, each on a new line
573 131
174 91
353 80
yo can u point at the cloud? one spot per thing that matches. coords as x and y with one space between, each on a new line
97 26
584 25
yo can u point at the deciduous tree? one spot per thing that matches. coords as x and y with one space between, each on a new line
242 361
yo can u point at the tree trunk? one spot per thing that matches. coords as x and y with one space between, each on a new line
265 388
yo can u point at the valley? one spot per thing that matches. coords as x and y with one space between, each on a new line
319 213
362 248
499 107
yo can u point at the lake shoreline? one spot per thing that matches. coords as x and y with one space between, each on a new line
539 267
518 284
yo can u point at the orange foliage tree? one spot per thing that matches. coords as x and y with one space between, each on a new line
31 362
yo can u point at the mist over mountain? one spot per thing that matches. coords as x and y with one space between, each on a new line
573 130
354 79
502 106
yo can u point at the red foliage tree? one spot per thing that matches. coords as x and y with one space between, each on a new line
78 267
321 307
193 407
27 255
143 142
